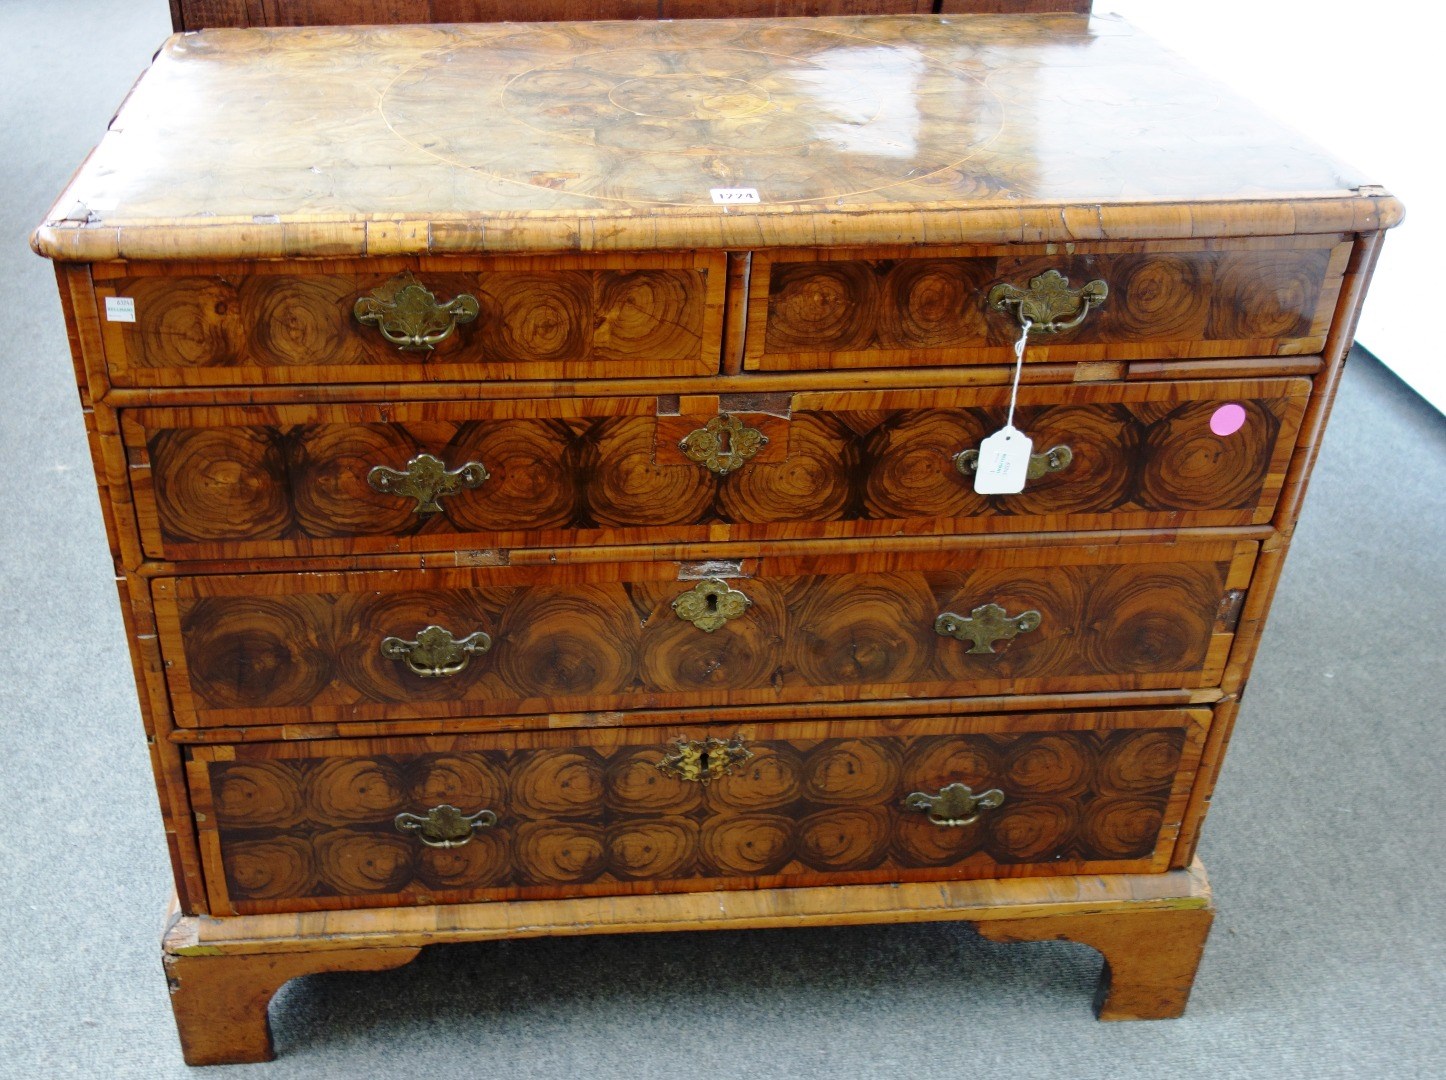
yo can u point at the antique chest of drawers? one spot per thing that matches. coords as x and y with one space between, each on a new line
540 463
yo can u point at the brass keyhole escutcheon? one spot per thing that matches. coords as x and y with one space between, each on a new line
711 603
723 444
701 761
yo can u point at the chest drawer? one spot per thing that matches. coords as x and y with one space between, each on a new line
297 826
251 482
1123 301
433 320
329 648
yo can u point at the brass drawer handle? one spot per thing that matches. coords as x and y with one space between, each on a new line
955 806
1048 300
445 826
1055 459
710 603
410 316
427 479
985 625
702 761
436 653
723 444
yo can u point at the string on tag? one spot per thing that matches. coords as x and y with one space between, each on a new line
1018 369
1003 463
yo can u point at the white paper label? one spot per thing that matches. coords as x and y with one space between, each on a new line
734 194
1003 462
120 309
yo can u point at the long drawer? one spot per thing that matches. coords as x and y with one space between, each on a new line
254 482
831 308
584 316
327 824
953 622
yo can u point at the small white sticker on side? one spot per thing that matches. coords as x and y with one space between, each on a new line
734 194
120 309
1003 462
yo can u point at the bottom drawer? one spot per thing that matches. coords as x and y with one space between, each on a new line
416 820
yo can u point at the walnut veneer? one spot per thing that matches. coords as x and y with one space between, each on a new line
579 472
305 649
200 14
309 824
512 539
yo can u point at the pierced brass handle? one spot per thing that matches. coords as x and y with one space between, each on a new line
1049 304
445 826
723 444
436 653
702 761
985 625
1055 459
410 316
955 806
427 479
711 603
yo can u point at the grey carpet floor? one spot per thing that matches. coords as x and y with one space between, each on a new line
1325 844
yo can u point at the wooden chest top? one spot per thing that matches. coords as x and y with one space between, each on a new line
321 142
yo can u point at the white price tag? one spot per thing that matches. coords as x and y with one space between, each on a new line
734 194
1003 462
120 309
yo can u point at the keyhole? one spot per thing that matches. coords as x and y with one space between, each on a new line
703 761
725 446
712 603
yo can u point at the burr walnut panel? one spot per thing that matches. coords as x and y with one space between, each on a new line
536 319
197 14
270 482
307 648
838 309
565 137
294 826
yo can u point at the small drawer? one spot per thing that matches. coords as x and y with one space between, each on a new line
331 648
307 825
434 320
1142 300
286 481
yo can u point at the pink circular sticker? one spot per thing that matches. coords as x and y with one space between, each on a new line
1228 419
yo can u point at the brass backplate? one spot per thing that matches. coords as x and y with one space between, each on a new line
955 806
1049 305
427 479
985 625
1055 459
445 826
410 316
436 653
